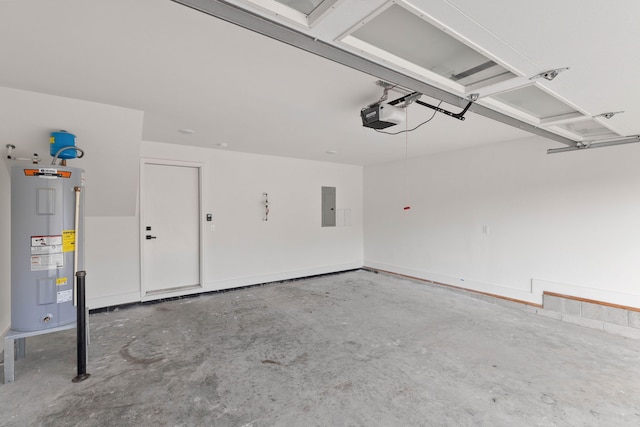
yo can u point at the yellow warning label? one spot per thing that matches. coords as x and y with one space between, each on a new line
68 240
61 281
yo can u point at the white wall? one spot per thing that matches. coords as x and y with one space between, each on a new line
565 222
5 248
243 250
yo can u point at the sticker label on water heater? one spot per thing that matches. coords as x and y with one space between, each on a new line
46 250
47 173
46 253
64 296
68 240
46 240
47 262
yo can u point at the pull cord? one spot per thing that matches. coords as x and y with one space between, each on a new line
407 207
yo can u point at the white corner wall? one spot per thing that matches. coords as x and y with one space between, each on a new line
510 220
5 248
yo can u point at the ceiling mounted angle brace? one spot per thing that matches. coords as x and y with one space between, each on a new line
413 97
587 145
609 114
549 75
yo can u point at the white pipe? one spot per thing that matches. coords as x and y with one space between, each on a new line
75 246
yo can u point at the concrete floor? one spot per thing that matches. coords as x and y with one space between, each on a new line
355 349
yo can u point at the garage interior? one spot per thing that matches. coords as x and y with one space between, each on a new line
257 253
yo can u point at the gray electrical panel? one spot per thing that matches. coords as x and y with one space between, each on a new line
328 206
43 245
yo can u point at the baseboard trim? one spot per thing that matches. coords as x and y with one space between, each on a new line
214 291
473 291
592 301
616 319
241 281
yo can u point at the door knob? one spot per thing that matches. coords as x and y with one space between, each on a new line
149 237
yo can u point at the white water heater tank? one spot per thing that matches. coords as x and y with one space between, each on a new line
44 240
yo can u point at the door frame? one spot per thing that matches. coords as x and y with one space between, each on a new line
192 289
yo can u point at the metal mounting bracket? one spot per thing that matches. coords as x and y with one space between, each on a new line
414 95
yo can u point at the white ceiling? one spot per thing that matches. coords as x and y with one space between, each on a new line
188 70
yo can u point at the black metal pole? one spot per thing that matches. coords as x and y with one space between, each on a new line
81 327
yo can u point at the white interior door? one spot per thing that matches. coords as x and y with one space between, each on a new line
170 220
